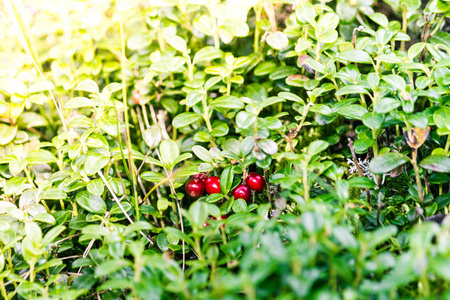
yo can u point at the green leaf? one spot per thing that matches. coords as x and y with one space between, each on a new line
373 120
327 37
182 236
235 27
380 19
357 56
88 85
110 266
386 104
226 179
152 136
79 102
228 102
109 125
415 50
265 68
353 111
33 233
211 82
239 206
316 147
351 89
207 54
7 133
361 182
395 81
221 129
277 40
182 157
31 119
54 194
387 162
96 187
95 162
213 198
152 176
315 65
345 238
15 186
302 45
40 157
199 212
436 163
194 98
202 153
169 152
268 146
245 119
178 43
175 63
52 234
91 203
185 119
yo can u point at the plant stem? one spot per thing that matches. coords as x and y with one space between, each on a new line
198 249
375 143
190 67
447 145
404 25
416 172
305 182
206 113
215 31
125 112
438 25
32 273
2 287
258 10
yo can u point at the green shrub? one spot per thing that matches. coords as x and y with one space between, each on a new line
113 114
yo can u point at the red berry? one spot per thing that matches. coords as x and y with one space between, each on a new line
212 185
224 217
136 96
255 181
199 176
195 187
242 192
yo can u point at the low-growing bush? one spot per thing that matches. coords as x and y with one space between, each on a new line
200 149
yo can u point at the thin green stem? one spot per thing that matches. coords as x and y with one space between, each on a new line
198 249
438 25
404 25
258 11
32 272
447 145
215 31
3 290
417 174
206 113
375 143
126 117
305 182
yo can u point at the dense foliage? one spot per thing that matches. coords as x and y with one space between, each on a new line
199 149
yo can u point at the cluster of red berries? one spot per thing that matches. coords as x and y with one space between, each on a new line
196 186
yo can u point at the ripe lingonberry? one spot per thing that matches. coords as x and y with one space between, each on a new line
212 185
136 96
195 187
242 192
255 181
